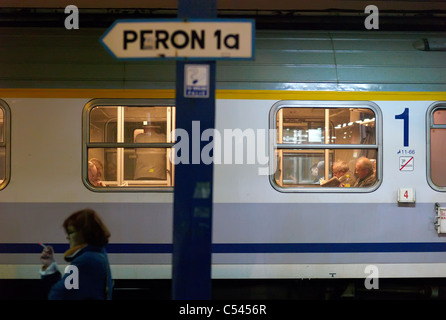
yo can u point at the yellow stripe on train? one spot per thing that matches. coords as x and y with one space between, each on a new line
225 94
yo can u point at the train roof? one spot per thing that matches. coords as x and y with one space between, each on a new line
284 60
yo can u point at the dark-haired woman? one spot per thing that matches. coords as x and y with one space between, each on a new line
88 276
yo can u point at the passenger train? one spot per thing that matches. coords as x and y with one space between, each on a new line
307 100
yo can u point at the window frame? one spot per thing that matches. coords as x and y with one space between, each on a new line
86 144
324 105
6 142
429 126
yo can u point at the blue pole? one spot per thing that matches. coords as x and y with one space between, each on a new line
192 225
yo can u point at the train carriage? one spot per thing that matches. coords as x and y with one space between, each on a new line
308 98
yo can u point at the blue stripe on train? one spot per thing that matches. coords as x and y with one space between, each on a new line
247 247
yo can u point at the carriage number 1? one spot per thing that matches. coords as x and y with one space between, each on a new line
405 117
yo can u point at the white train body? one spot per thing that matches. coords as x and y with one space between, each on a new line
259 230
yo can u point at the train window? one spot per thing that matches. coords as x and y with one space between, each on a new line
439 116
128 145
4 144
309 135
436 155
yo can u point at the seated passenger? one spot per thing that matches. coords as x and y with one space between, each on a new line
100 169
343 173
318 172
364 172
93 176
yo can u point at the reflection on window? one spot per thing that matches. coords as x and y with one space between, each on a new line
321 146
437 154
129 146
2 147
4 144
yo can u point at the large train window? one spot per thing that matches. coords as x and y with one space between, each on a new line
4 144
436 126
127 145
330 146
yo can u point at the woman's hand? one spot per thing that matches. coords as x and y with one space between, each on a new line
47 257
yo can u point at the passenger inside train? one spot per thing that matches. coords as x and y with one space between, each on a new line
99 169
94 173
365 173
308 138
131 160
342 171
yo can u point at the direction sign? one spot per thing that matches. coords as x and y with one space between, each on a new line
180 39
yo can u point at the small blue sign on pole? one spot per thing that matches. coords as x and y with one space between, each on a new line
196 80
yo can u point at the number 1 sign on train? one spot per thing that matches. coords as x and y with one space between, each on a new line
180 39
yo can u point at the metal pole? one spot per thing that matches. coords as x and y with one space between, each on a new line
192 225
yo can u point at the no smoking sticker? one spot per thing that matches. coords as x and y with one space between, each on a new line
406 163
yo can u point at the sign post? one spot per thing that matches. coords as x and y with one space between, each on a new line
196 40
192 225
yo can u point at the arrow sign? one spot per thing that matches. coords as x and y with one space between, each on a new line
179 39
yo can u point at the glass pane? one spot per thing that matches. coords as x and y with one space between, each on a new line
306 168
309 126
130 167
2 164
302 126
440 116
123 124
438 157
145 124
353 126
303 166
150 164
103 124
2 126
